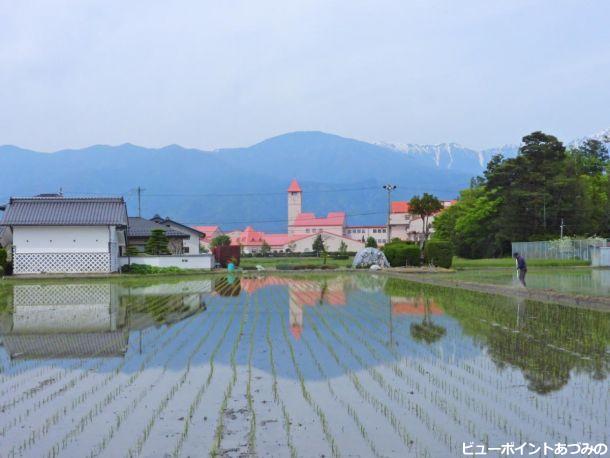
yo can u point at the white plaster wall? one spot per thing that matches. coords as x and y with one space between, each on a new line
331 241
315 229
192 243
64 318
61 239
201 261
366 232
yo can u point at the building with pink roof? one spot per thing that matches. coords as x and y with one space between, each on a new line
305 227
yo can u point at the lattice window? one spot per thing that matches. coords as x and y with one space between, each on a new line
35 263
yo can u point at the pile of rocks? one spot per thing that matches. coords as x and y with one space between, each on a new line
369 257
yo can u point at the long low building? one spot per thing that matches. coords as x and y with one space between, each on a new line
253 241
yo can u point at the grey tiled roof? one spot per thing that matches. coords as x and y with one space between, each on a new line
65 211
141 227
174 223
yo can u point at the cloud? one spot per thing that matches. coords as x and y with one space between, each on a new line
211 74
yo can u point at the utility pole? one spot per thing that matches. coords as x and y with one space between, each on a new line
561 228
389 188
140 190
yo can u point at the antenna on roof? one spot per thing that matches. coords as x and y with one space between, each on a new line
61 191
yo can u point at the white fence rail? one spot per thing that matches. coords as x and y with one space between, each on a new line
559 249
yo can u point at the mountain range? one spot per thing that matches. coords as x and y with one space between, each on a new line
238 186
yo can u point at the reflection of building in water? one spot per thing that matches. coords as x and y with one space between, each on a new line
301 293
65 320
164 303
415 306
86 320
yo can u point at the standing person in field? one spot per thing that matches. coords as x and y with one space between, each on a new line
521 267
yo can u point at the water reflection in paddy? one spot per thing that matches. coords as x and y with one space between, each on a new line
577 280
354 365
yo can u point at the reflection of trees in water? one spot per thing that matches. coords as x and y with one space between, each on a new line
160 308
427 331
551 342
547 342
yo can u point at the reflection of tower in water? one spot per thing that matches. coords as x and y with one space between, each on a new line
295 311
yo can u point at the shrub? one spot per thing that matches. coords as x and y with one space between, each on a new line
132 251
371 243
339 256
400 254
144 269
304 267
438 253
157 243
3 259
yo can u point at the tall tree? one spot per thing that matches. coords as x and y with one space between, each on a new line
220 240
424 207
531 187
318 245
265 248
371 242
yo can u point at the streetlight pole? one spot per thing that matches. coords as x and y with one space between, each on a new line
389 188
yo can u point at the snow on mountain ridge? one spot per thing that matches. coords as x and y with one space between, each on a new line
451 151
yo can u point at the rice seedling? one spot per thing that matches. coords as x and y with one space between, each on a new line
51 378
408 440
219 431
351 411
307 396
61 412
161 406
200 392
252 431
112 395
274 388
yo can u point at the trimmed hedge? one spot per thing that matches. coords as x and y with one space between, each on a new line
438 253
144 269
401 254
305 267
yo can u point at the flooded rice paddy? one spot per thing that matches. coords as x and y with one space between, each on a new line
576 280
336 365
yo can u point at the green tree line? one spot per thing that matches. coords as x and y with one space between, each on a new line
530 197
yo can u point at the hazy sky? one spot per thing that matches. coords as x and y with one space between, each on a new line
222 73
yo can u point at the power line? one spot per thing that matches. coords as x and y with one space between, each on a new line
285 220
262 193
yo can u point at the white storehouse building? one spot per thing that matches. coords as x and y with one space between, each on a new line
56 234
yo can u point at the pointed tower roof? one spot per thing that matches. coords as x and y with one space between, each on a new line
294 186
